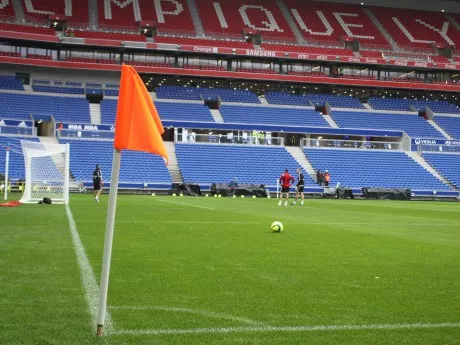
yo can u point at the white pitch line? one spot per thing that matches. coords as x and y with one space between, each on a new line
318 328
205 313
87 274
181 203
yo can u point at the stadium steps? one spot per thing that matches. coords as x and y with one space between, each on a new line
367 106
384 32
93 14
330 121
19 11
439 129
195 17
422 161
173 165
263 100
217 115
297 153
453 21
95 113
295 30
153 95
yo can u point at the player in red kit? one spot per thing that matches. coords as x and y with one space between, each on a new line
286 180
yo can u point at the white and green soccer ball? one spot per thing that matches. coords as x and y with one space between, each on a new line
277 226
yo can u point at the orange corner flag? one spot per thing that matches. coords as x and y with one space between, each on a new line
138 126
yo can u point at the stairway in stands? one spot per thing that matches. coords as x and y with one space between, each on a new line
173 165
421 161
302 160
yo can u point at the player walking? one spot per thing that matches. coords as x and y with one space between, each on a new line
97 182
299 187
286 180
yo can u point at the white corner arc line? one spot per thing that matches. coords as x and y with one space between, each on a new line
205 313
181 203
87 275
318 328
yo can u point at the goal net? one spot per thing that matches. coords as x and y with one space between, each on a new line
46 172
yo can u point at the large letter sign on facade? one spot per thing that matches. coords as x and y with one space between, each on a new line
322 17
31 9
270 25
160 12
122 4
346 26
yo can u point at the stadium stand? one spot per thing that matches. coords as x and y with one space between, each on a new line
266 115
166 110
360 168
171 16
109 36
68 109
275 97
58 89
27 28
327 22
204 42
137 167
7 10
448 165
371 54
405 105
196 94
10 83
38 10
262 16
413 125
414 29
450 124
16 166
308 49
208 163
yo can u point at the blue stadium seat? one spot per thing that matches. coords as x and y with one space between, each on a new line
65 109
208 163
10 83
361 168
197 94
448 165
166 110
267 115
275 97
16 167
58 89
401 104
450 124
413 125
136 167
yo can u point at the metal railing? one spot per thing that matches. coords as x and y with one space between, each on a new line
228 139
350 144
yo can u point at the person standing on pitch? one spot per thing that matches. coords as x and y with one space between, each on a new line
286 180
97 182
299 187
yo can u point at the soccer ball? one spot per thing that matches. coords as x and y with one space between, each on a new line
277 226
153 194
254 197
174 194
181 195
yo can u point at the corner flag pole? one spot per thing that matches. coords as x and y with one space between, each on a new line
108 242
7 166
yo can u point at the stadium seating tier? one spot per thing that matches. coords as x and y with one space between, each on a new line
448 165
450 124
361 168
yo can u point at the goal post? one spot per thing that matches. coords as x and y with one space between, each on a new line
46 172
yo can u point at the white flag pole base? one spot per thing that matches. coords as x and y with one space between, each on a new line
108 242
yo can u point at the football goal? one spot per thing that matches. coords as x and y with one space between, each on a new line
46 172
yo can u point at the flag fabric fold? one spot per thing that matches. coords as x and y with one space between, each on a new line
138 126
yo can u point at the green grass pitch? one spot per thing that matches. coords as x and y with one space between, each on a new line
210 271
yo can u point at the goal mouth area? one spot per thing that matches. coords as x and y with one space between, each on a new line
46 172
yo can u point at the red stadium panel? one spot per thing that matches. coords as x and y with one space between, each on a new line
76 11
437 58
26 28
6 9
417 30
170 15
326 22
109 36
203 42
230 17
309 50
371 54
